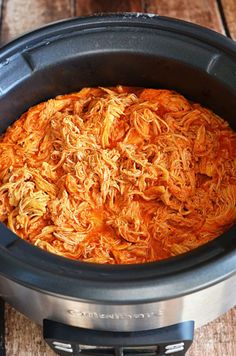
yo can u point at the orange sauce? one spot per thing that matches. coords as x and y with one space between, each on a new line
118 175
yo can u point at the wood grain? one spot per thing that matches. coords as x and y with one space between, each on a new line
202 12
218 338
229 7
24 338
87 7
20 16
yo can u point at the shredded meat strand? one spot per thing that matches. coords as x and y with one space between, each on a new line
118 175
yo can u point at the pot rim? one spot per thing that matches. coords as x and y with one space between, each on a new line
56 28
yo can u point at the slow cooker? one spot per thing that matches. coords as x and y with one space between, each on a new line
90 309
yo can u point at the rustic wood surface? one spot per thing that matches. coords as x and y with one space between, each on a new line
19 16
23 337
202 12
229 7
86 7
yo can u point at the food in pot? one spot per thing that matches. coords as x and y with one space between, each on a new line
118 175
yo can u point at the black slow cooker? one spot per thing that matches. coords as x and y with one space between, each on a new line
90 309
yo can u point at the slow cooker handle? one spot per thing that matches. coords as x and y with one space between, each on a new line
172 340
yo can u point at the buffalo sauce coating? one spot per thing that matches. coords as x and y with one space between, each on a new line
118 175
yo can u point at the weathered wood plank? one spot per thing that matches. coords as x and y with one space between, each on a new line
20 16
87 7
202 12
24 338
229 7
218 338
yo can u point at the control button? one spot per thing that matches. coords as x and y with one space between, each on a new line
167 352
66 349
172 346
62 344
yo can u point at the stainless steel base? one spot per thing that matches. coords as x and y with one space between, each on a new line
202 307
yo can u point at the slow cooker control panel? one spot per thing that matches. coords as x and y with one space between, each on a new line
172 340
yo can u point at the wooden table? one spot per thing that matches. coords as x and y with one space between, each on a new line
23 337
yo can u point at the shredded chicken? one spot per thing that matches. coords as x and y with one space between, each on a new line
118 175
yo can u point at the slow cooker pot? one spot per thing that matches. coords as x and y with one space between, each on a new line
104 307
